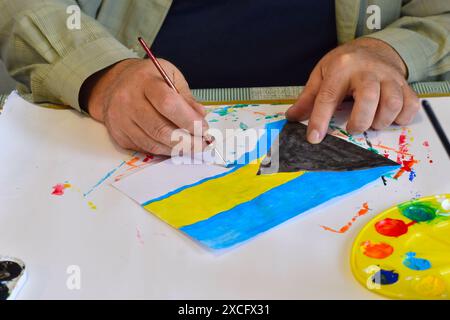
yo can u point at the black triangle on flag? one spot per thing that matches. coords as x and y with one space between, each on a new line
291 152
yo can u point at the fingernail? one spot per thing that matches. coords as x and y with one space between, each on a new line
288 114
314 137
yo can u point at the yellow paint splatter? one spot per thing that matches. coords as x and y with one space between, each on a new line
92 205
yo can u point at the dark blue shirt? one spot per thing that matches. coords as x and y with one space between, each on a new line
247 43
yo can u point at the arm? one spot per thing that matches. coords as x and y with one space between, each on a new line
421 37
65 66
50 61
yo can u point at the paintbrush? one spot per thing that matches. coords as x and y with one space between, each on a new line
209 140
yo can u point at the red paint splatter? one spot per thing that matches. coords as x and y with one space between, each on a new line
148 157
402 146
406 162
377 250
381 146
407 166
364 210
392 227
58 190
426 144
139 236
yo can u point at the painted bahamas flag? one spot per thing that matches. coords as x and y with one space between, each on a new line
222 207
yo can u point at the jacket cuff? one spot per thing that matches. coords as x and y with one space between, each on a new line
415 50
68 75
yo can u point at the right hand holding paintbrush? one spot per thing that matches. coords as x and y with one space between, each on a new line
139 109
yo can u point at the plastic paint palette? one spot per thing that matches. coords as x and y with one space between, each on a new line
404 252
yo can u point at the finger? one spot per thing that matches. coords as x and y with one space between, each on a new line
331 94
185 91
411 106
130 145
391 104
366 95
176 109
197 106
160 129
145 142
302 108
123 140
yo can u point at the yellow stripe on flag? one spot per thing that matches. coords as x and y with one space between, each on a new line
203 201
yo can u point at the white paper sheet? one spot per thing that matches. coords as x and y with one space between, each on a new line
124 252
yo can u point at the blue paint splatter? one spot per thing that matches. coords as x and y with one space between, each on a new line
106 177
414 263
225 110
412 175
385 277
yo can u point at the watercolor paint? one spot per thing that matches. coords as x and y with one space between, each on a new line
413 239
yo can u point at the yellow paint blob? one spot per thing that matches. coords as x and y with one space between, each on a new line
430 286
203 201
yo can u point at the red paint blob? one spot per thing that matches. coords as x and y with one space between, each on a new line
376 250
58 190
391 227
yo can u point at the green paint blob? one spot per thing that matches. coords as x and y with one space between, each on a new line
419 212
243 126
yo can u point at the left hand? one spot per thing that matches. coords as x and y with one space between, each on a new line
372 73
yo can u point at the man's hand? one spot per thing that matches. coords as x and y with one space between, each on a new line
139 109
372 73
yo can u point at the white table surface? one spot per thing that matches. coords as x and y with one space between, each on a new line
441 107
124 252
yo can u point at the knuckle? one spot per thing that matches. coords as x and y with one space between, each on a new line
155 148
112 114
160 131
393 103
369 94
327 95
344 59
169 105
122 97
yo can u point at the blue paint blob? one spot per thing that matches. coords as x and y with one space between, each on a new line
412 175
385 277
414 263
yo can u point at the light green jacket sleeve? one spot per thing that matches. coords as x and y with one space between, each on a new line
422 38
49 60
